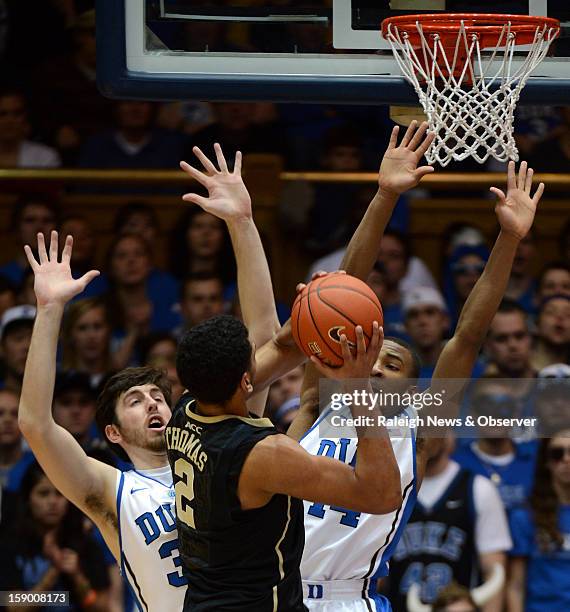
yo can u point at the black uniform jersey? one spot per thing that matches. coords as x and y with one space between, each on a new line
233 559
437 546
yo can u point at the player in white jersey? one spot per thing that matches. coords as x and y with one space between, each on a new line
135 510
346 552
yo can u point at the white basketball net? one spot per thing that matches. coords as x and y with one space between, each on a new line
471 113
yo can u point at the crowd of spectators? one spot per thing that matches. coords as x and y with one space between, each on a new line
133 314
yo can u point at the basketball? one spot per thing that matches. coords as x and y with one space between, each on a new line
329 307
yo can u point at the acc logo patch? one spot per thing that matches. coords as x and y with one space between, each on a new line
335 334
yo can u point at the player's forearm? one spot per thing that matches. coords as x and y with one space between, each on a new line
309 405
254 281
483 301
363 248
39 375
377 470
376 465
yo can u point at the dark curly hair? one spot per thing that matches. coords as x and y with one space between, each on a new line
212 358
544 502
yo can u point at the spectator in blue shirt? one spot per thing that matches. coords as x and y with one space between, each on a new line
539 569
494 454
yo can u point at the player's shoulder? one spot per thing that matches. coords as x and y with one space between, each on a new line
179 411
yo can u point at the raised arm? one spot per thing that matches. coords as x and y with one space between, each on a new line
229 200
515 212
87 483
398 173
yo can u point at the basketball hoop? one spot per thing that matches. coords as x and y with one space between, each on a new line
469 97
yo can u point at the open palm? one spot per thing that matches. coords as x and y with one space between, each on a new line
399 169
53 283
228 197
517 208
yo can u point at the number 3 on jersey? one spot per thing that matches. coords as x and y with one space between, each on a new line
184 490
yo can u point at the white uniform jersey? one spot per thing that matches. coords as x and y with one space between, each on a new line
341 544
148 539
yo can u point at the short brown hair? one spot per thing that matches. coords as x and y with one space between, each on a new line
106 413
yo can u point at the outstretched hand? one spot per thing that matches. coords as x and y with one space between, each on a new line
517 208
228 197
399 170
53 282
359 365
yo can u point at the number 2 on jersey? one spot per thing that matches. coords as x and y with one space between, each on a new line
184 490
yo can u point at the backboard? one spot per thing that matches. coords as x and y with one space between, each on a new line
285 50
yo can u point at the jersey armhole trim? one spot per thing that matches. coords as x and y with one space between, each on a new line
319 420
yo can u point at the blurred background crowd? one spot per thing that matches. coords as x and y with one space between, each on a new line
51 115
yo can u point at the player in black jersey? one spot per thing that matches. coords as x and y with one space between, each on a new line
239 482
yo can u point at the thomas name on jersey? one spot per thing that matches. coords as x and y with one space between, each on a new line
188 443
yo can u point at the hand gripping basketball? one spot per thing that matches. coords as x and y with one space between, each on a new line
329 307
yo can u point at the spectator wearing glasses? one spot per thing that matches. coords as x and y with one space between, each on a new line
539 566
466 266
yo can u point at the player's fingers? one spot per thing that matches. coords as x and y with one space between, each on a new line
409 133
345 349
393 137
42 249
538 193
422 171
67 250
511 182
380 337
418 136
425 145
53 246
88 277
194 198
238 163
205 161
360 341
319 274
498 193
31 259
300 287
220 157
522 175
528 180
375 339
324 369
202 178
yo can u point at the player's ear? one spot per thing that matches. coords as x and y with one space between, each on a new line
246 384
113 434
